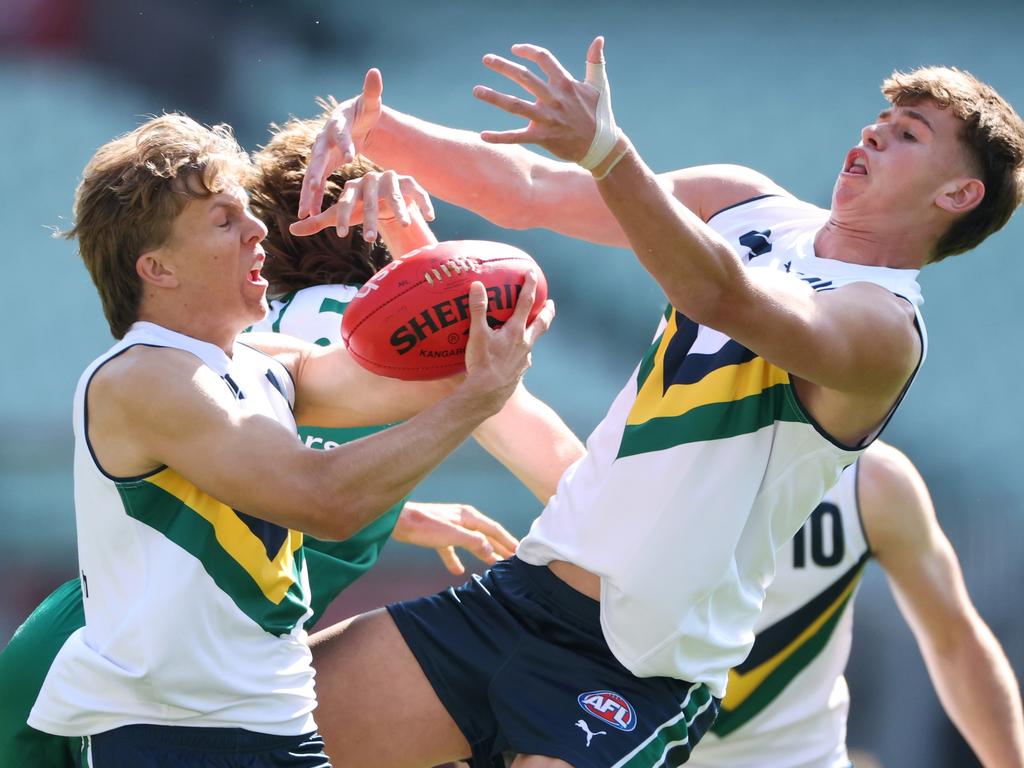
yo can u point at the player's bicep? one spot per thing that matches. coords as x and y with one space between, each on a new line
248 461
333 390
710 189
904 533
858 339
565 198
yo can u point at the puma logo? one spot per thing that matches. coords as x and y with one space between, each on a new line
590 734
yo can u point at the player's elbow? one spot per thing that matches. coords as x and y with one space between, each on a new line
335 514
719 296
719 305
314 505
534 197
327 514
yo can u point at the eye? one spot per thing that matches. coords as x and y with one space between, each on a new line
226 224
907 135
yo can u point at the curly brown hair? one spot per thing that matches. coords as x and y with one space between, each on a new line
132 190
993 135
294 262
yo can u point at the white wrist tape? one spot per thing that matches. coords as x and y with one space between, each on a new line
606 132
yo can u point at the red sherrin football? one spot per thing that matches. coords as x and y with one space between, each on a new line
411 320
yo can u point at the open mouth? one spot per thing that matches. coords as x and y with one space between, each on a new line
856 163
255 277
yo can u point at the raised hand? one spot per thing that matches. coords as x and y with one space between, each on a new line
443 527
341 138
570 118
375 197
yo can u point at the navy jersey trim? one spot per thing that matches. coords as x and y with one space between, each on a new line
85 421
742 202
872 436
817 427
271 378
910 379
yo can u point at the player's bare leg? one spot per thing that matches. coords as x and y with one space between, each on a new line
364 669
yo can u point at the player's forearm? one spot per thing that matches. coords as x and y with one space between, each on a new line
509 186
400 239
451 164
696 269
980 693
532 442
353 484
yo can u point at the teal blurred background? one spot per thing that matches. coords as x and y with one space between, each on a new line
783 87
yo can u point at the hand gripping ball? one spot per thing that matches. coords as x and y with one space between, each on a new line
411 320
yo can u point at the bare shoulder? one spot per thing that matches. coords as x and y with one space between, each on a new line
894 501
884 327
887 470
142 374
708 189
142 396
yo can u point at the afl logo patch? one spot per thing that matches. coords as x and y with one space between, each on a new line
609 707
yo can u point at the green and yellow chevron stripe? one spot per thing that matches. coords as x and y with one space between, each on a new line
783 650
684 398
265 585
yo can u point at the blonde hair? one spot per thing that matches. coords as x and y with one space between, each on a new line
132 190
993 135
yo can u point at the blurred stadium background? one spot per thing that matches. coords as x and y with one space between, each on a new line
783 87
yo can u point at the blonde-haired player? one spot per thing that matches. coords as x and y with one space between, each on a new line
192 493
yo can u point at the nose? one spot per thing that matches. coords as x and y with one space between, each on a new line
257 230
871 136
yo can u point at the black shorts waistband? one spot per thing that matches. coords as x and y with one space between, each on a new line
558 594
195 737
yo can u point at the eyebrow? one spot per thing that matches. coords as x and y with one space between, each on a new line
232 204
913 114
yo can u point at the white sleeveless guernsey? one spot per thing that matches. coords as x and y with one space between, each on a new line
704 466
787 702
193 610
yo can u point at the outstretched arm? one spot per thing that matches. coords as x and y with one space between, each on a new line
508 185
531 441
851 350
967 666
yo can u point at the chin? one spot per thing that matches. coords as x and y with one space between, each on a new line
258 311
843 197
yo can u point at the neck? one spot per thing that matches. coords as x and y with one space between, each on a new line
223 337
843 241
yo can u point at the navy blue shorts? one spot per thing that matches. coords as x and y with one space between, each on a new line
518 659
164 746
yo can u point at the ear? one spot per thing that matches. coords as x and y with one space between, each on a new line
961 195
152 269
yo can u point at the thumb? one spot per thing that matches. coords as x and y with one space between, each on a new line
595 53
313 224
477 306
373 88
